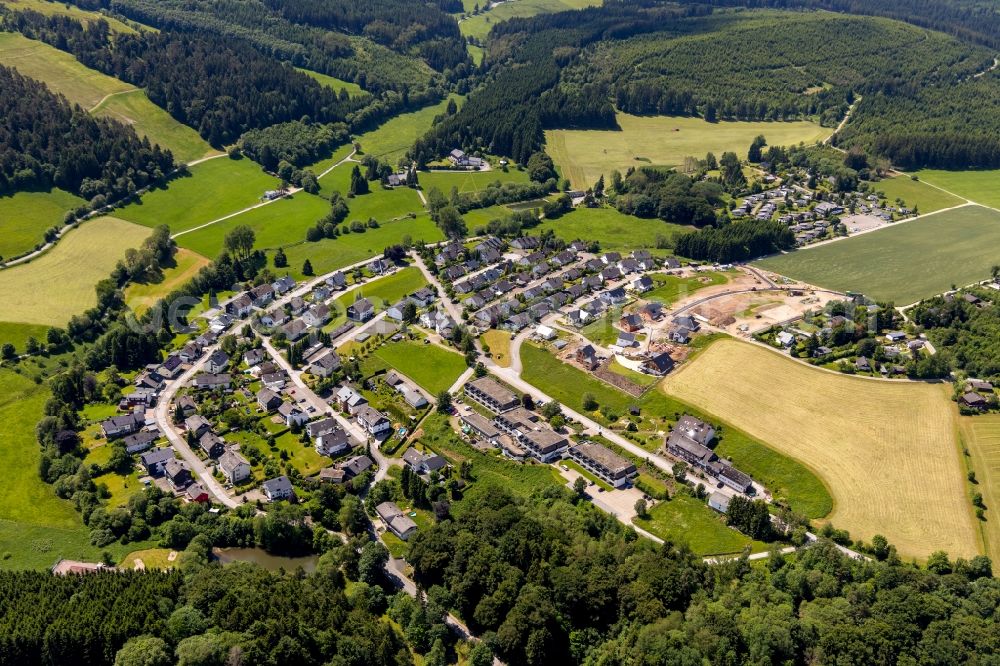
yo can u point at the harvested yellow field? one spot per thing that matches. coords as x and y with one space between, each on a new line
887 450
981 435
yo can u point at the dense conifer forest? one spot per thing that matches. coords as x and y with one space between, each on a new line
98 158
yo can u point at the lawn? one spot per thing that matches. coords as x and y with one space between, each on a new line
479 26
981 436
784 477
135 109
980 186
602 331
36 527
886 450
330 254
670 288
687 519
583 155
915 194
120 487
499 344
468 182
212 190
152 558
25 216
64 74
392 139
353 89
140 297
613 230
435 369
278 223
385 291
60 283
905 262
17 334
48 8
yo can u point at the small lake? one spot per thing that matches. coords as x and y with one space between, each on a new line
266 560
526 205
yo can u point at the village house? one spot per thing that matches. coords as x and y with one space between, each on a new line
274 380
268 400
140 441
292 415
972 400
262 295
196 493
217 362
275 317
411 394
373 422
587 356
325 365
177 474
212 444
652 311
360 310
154 461
337 281
625 340
241 306
395 520
317 315
329 438
689 439
603 463
294 330
350 400
631 323
490 394
276 489
423 463
642 285
254 357
658 364
332 475
234 467
170 368
197 425
120 426
356 466
283 285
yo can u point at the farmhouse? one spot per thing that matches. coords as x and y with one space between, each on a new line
491 395
604 463
278 488
234 467
973 400
395 521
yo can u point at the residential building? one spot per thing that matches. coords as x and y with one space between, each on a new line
317 315
490 394
140 441
210 382
603 463
155 460
292 414
120 426
719 502
356 466
278 488
197 425
350 400
360 310
373 422
212 444
177 474
268 400
395 520
325 365
478 425
329 438
423 463
532 433
234 466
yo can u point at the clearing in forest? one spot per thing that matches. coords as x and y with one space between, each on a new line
905 262
584 155
60 283
886 450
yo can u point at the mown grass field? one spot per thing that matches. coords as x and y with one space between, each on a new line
686 519
787 479
468 182
25 216
64 74
330 254
152 558
980 185
613 230
140 297
886 450
981 436
393 138
583 155
903 263
17 334
213 189
479 26
499 344
670 288
135 109
52 8
278 223
353 89
916 194
60 283
433 368
385 291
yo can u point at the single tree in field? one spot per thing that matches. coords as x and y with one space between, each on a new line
239 242
307 268
358 183
641 509
995 271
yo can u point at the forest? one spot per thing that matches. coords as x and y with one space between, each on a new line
407 37
100 159
735 242
968 333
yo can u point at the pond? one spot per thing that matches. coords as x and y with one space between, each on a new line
526 205
264 559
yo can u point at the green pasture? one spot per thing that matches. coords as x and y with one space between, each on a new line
393 138
17 333
433 368
468 182
25 216
915 194
52 8
686 519
613 230
140 297
979 185
353 89
480 25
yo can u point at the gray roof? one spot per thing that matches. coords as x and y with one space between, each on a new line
277 486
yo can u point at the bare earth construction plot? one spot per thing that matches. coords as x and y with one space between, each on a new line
583 155
886 450
902 263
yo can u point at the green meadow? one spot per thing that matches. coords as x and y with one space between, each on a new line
25 216
435 369
905 262
916 194
480 25
213 189
686 519
468 182
393 138
980 186
17 333
353 89
613 230
141 297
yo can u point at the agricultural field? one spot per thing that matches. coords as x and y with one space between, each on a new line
393 138
685 518
583 155
380 204
903 263
278 223
613 230
981 436
432 367
25 216
17 334
213 189
141 297
468 182
785 478
916 194
60 283
480 25
887 451
332 253
353 89
51 8
980 186
134 108
102 95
